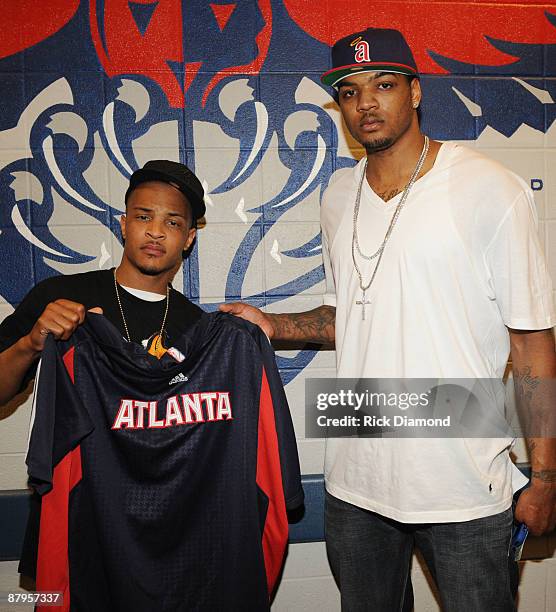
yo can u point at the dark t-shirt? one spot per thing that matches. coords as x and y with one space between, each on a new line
92 289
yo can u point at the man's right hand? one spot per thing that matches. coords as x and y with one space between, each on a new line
59 318
252 314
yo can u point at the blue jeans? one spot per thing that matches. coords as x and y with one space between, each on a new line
370 557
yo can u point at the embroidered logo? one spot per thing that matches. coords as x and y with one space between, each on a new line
178 378
184 409
361 50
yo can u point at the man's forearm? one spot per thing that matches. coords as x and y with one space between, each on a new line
312 326
534 367
543 459
14 363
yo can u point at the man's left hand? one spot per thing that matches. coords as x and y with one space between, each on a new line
536 508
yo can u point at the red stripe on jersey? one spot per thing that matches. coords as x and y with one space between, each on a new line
53 558
68 362
269 479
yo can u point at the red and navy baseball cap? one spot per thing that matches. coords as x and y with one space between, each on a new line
176 174
374 49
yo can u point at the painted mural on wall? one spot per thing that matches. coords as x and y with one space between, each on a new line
92 90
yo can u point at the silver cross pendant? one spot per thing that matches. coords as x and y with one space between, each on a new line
363 302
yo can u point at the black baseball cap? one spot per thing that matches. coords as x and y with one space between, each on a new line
178 175
372 50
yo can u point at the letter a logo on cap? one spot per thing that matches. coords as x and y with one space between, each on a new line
361 50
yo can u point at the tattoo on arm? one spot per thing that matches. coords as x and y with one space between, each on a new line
525 383
535 406
531 444
313 326
544 475
528 390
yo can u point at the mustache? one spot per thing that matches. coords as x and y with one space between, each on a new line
370 118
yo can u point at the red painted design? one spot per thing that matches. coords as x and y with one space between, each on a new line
28 22
126 51
222 13
263 43
191 70
451 28
269 479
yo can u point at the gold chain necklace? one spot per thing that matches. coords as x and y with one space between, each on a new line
159 339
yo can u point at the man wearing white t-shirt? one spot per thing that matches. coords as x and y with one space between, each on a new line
433 270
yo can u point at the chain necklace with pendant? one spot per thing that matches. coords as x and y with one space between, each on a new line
159 338
355 238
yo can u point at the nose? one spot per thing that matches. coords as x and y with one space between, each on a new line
366 100
156 229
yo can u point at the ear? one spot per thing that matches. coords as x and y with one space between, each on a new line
190 238
416 93
122 225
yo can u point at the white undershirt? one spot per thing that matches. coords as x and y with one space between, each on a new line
148 296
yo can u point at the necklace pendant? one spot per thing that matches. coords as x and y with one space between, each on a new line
156 347
363 302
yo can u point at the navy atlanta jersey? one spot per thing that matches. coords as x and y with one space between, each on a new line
164 483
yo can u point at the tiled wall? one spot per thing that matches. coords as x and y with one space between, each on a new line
88 97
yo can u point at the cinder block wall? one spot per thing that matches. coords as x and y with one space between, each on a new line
234 92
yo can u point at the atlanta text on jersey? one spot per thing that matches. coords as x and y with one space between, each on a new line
181 409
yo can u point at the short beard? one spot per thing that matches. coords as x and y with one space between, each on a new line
378 145
153 271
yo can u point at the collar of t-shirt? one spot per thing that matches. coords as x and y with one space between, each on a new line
371 196
148 296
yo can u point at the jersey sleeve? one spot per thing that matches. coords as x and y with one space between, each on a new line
278 474
59 420
287 446
517 269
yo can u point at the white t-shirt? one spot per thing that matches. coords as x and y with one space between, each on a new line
463 262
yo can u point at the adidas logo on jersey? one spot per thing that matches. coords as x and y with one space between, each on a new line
179 378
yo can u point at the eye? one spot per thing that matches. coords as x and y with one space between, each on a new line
347 93
385 85
173 223
143 217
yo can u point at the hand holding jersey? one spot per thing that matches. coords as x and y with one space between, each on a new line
59 318
316 325
251 314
